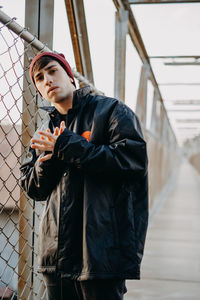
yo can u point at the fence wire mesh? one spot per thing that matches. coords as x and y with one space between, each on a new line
20 116
18 217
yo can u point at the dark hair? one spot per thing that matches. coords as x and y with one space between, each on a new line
42 62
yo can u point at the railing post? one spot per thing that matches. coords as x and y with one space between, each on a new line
155 147
155 119
121 30
141 106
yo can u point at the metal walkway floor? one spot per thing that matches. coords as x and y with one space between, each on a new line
171 263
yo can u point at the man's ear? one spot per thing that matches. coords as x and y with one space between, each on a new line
72 82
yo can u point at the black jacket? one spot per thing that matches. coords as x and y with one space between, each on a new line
96 211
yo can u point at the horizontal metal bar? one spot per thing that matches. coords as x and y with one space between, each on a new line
174 56
184 102
31 39
22 32
183 110
186 134
177 103
188 128
180 125
161 1
179 83
194 128
182 63
188 120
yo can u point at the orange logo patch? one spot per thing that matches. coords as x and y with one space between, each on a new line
86 135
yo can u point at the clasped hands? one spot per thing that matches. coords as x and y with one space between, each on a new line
47 141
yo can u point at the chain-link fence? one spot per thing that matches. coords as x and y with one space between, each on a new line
20 116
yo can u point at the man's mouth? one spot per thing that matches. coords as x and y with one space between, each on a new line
52 89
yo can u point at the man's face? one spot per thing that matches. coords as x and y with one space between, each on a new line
53 82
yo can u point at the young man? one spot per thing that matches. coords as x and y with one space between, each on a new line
89 163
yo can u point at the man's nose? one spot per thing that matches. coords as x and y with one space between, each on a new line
48 79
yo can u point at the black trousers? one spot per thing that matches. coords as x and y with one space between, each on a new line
97 289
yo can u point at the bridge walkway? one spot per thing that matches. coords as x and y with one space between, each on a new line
171 264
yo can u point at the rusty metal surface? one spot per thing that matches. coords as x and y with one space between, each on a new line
79 36
73 30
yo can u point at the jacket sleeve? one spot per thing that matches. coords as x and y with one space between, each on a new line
39 178
124 153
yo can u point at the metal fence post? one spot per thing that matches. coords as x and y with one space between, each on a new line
39 18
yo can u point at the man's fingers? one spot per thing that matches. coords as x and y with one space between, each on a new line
46 157
56 131
49 131
48 135
47 141
43 142
62 124
60 131
43 138
52 137
62 127
42 147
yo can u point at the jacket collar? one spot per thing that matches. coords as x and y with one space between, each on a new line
77 95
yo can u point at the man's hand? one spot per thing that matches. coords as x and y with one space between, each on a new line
47 141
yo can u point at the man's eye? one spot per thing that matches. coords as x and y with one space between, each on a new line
39 78
52 71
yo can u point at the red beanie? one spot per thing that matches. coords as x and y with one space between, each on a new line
59 57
